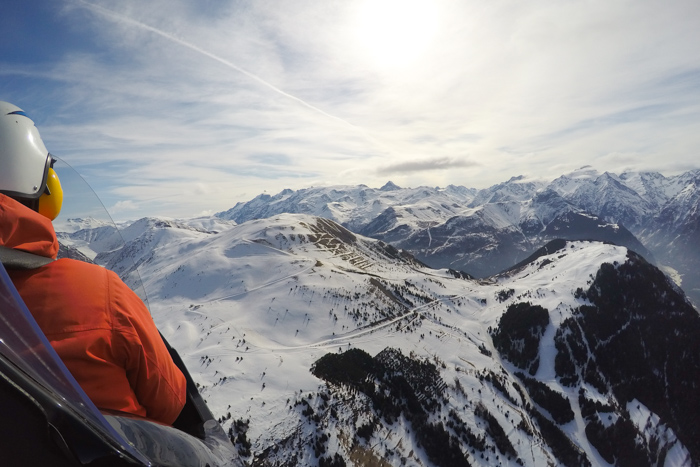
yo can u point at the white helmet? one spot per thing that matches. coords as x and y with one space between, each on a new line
25 163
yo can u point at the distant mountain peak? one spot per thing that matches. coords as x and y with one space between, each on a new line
390 186
586 171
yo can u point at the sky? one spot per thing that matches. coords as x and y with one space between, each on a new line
180 108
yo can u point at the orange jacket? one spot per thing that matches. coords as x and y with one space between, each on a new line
98 326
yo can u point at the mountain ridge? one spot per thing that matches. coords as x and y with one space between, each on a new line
483 231
256 308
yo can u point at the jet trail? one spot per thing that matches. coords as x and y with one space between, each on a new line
115 16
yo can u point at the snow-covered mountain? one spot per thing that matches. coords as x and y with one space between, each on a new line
356 206
318 346
483 231
87 237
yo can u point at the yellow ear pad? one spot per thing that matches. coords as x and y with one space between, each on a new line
51 201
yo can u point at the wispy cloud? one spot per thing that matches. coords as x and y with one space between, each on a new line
170 37
425 165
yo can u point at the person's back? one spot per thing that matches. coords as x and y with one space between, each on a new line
98 326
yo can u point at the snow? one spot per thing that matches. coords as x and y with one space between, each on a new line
567 184
674 275
250 307
358 205
649 424
652 207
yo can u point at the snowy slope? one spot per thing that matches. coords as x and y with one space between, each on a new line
253 307
89 235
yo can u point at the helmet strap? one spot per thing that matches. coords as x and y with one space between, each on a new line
32 204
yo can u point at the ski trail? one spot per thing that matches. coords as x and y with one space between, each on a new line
261 286
353 335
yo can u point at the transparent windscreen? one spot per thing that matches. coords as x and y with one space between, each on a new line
87 232
23 344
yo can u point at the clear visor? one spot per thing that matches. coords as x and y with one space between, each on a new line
82 209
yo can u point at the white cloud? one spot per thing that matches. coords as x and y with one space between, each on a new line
268 95
121 207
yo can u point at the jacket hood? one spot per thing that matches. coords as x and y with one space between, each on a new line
24 229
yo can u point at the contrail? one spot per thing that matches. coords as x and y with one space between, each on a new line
111 14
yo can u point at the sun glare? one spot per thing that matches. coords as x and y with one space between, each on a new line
394 33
